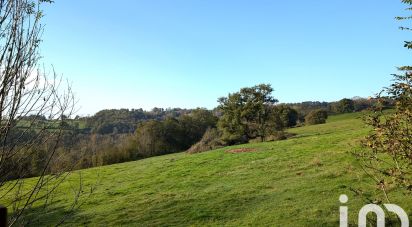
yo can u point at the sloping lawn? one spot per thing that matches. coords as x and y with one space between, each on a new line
295 182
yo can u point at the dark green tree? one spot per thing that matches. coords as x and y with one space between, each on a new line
196 123
288 116
160 137
316 117
345 106
171 135
247 114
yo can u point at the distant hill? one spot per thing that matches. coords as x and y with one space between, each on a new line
119 121
294 182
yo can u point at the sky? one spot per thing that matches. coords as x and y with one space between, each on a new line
187 53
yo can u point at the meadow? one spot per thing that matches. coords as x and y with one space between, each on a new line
293 182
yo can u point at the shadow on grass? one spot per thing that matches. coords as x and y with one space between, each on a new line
50 215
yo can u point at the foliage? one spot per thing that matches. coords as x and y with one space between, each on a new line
361 104
389 157
248 114
304 108
157 138
196 123
107 137
390 153
275 186
125 121
101 139
316 117
28 95
78 149
345 106
211 140
288 116
174 134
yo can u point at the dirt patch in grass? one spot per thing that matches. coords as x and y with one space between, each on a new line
241 150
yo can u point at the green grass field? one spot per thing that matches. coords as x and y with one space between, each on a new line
295 182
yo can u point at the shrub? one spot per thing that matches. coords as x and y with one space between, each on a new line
210 141
316 117
288 116
389 157
345 106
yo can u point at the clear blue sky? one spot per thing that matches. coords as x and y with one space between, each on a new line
187 53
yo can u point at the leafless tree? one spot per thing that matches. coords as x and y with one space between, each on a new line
28 95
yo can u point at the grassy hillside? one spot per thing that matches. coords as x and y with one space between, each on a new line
296 182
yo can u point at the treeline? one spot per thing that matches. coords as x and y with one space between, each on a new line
77 150
112 136
345 105
124 120
120 121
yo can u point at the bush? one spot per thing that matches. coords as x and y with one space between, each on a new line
316 117
288 116
390 140
345 106
210 141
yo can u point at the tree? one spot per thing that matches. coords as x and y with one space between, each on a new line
27 91
160 137
196 123
247 114
288 116
390 144
173 134
361 104
388 154
345 106
316 117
